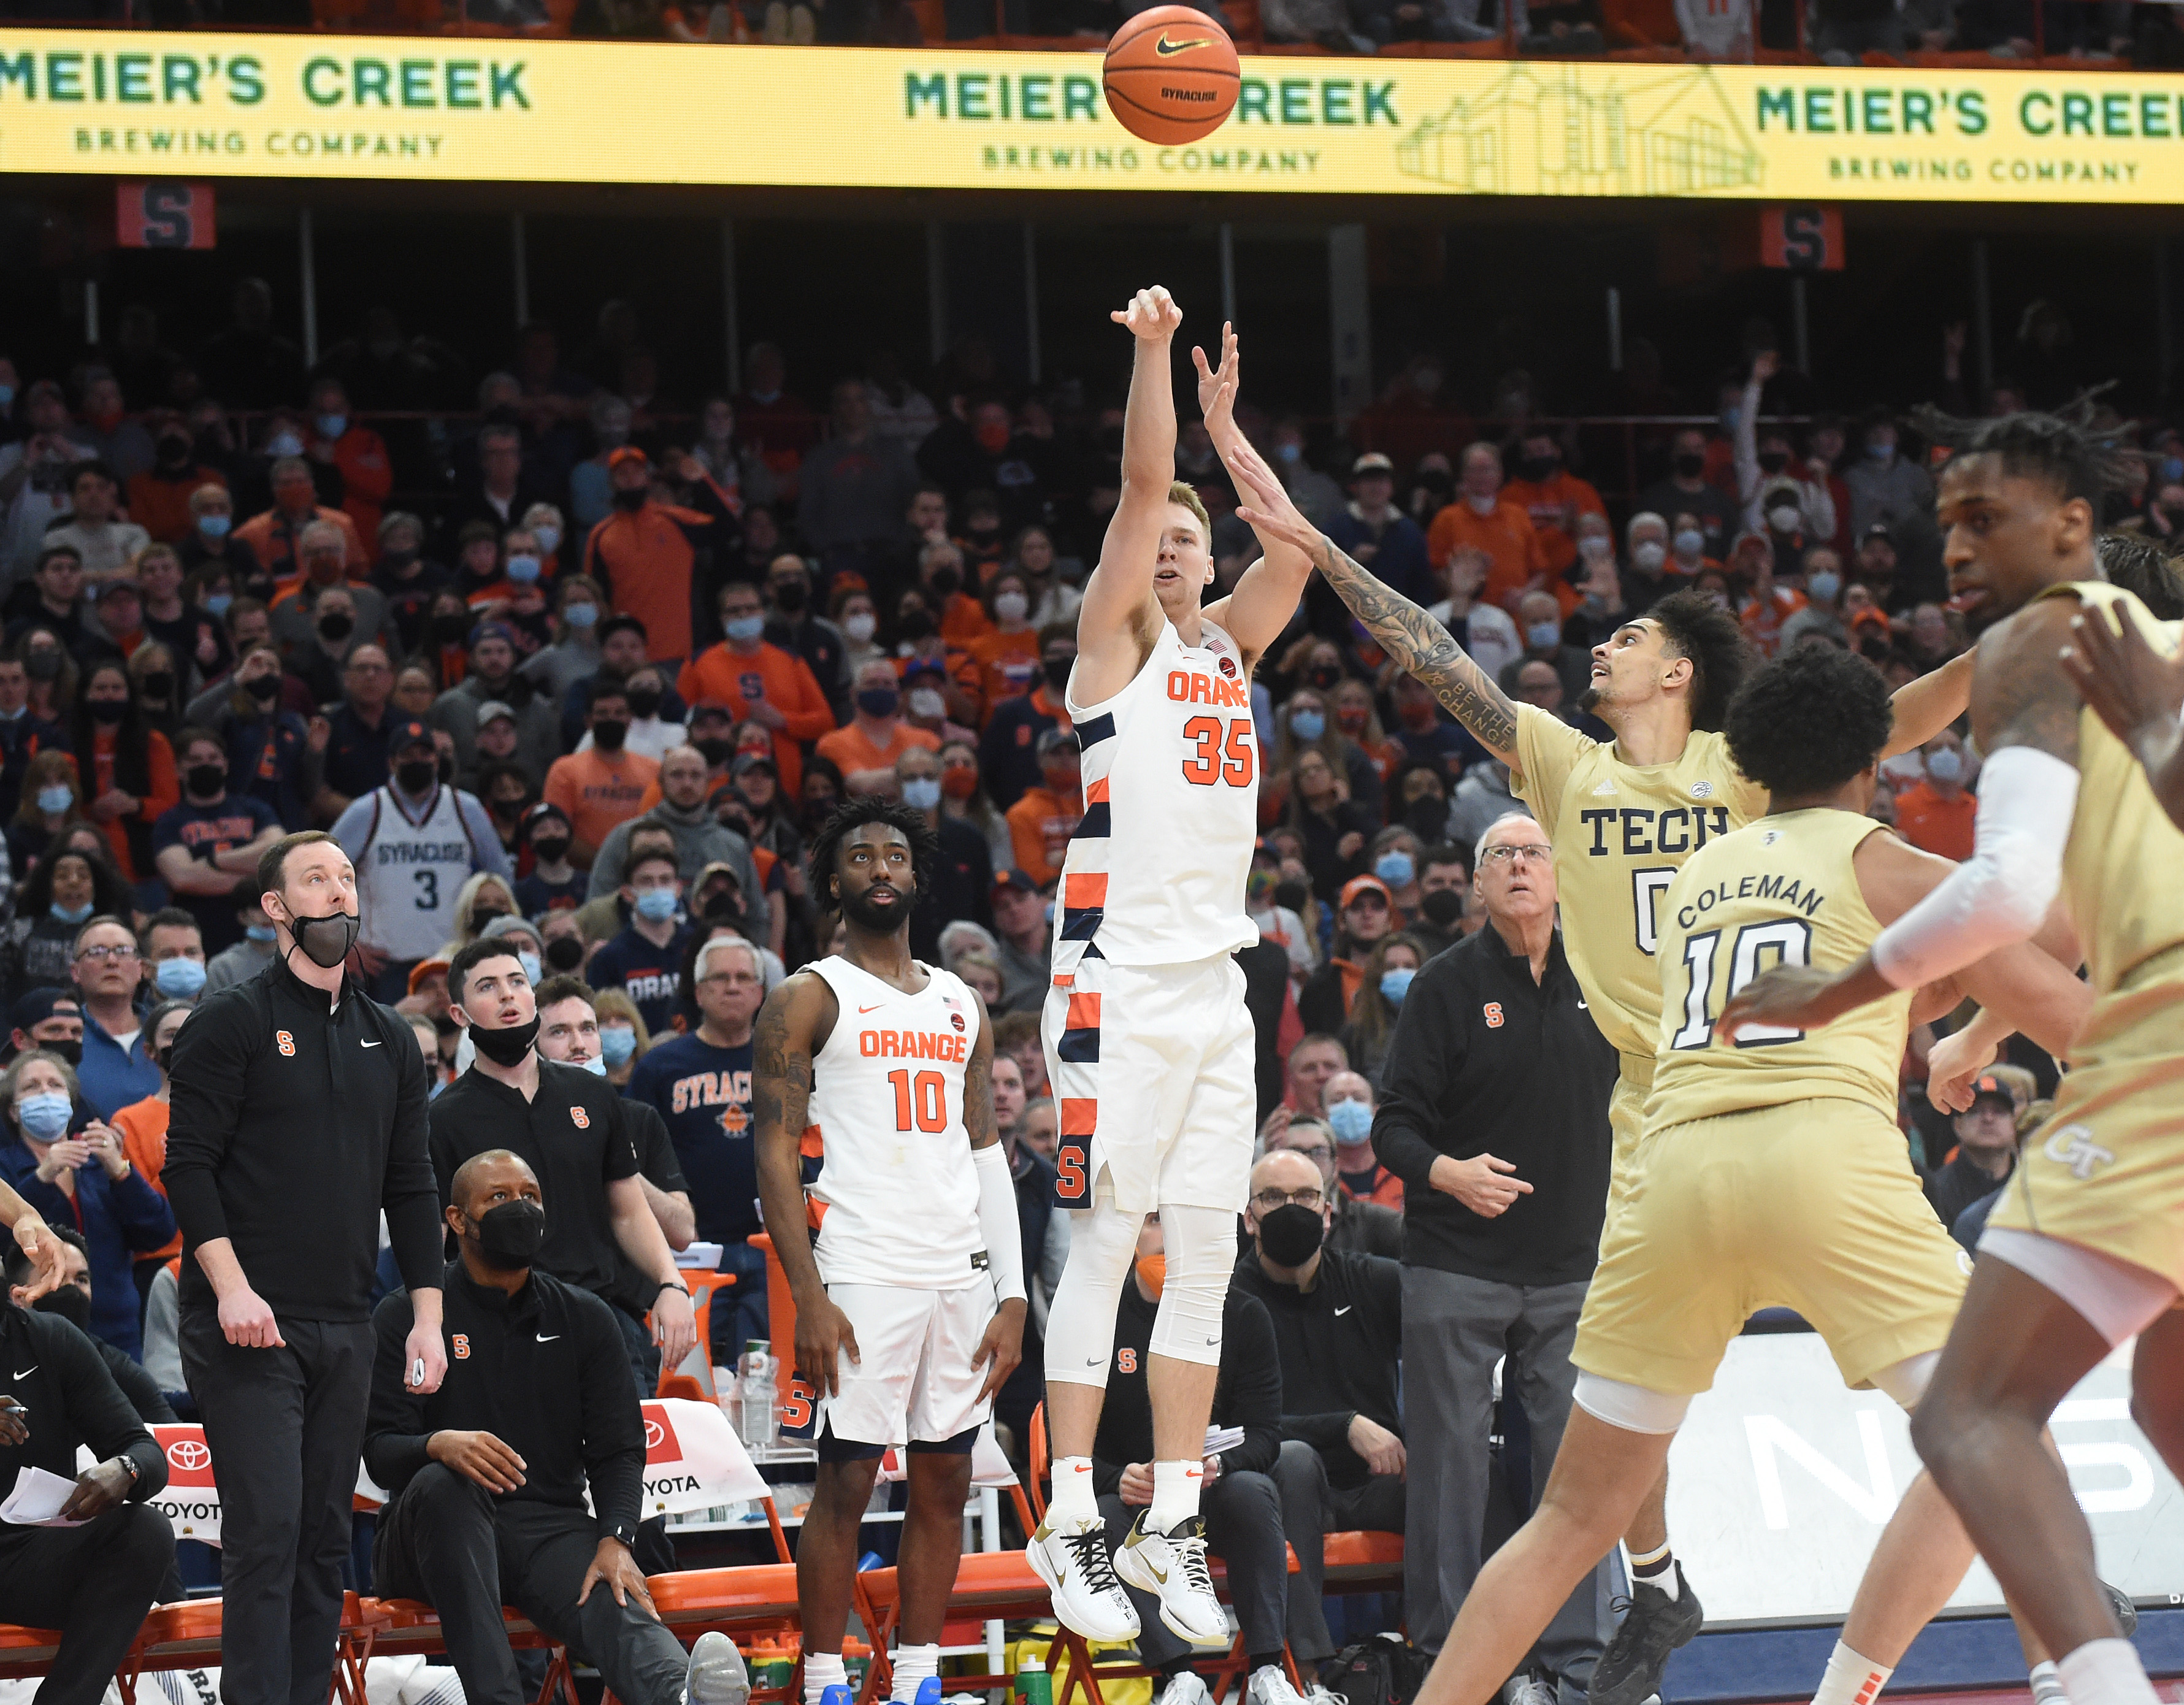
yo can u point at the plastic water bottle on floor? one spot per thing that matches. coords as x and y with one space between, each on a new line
755 1395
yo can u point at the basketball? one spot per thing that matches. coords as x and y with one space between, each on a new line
1171 75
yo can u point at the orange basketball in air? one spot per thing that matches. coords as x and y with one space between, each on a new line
1171 75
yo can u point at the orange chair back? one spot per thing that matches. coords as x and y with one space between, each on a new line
780 1317
1035 1462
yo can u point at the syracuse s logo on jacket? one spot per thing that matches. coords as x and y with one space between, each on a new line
1493 1015
285 1042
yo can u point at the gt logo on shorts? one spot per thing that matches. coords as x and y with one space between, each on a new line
581 1119
462 1343
2073 1146
1493 1015
285 1042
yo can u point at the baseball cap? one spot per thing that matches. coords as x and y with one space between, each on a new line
1016 879
36 1006
1056 739
753 761
494 708
411 732
627 453
508 924
540 812
424 968
491 629
1992 1088
1878 530
1372 462
712 709
1364 884
112 586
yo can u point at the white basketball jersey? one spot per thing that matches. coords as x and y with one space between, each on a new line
1154 873
408 874
898 1190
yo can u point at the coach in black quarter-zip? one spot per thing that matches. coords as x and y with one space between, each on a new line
297 1113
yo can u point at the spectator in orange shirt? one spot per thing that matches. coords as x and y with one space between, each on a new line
1411 417
1768 603
759 681
1482 518
1936 814
865 751
159 496
1551 497
357 453
142 1125
126 770
644 552
1008 653
599 788
940 574
1041 822
274 538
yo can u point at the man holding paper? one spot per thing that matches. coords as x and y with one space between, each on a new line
78 1552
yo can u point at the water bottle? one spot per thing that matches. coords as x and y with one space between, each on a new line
1034 1686
755 1397
836 1695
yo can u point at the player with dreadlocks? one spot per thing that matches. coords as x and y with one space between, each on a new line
2085 1251
909 1298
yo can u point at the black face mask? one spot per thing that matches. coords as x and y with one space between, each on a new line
72 1302
108 711
451 629
174 451
264 689
565 952
42 664
645 701
483 916
417 775
1442 906
631 499
1538 468
1428 815
206 781
945 582
1056 670
397 558
1774 461
158 684
915 624
1292 893
788 597
506 1047
335 627
1326 677
716 751
1291 1235
326 941
1690 465
511 1235
609 736
549 852
724 908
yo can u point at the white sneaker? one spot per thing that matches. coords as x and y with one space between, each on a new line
716 1675
1080 1578
1528 1688
1269 1686
1172 1566
1188 1688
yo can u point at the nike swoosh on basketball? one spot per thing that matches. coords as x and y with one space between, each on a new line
1165 47
371 1045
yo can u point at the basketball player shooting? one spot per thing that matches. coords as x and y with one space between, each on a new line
1147 1040
910 1302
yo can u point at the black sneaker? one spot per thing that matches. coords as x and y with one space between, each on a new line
1654 1626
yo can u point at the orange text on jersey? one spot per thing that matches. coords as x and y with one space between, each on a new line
912 1044
1189 687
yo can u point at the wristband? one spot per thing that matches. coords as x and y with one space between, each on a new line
670 1284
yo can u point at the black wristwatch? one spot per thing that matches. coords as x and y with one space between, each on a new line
129 1468
624 1534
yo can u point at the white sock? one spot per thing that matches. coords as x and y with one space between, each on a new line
822 1670
2106 1672
913 1664
1851 1680
1657 1569
1073 1502
2048 1685
1175 1494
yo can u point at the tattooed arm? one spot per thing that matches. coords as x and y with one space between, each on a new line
792 1027
1401 629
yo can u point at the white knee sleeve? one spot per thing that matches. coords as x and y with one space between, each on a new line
1631 1407
1080 1322
1201 1255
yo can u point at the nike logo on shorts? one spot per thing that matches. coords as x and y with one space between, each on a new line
371 1045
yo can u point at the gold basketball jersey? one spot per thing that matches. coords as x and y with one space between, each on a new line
1782 891
1620 834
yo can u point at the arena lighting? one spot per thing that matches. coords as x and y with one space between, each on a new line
425 108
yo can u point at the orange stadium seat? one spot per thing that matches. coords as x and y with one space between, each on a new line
26 1652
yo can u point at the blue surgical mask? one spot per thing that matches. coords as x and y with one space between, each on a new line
1544 635
53 800
332 425
1945 765
597 1065
217 604
1396 984
531 969
284 444
2172 470
70 914
7 395
523 570
1880 452
1395 868
656 905
1351 1122
180 979
921 793
259 931
581 614
1690 541
617 1043
548 538
1290 453
745 628
45 1117
214 526
1825 587
1307 725
1731 416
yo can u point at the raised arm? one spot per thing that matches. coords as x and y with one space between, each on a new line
1399 628
1924 707
1112 628
1267 593
2138 692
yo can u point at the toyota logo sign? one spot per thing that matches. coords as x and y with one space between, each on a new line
653 1434
189 1455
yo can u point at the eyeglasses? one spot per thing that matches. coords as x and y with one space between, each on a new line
1512 854
102 954
1267 1201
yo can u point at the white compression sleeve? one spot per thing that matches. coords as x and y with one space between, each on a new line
997 1220
2002 892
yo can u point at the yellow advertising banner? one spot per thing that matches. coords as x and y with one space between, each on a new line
500 110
